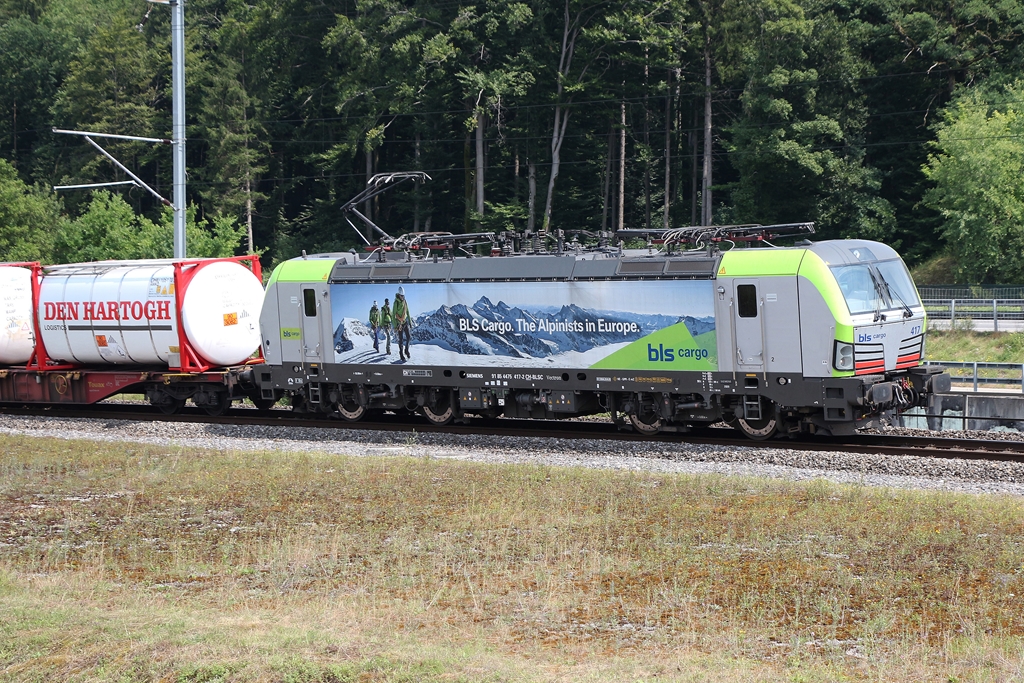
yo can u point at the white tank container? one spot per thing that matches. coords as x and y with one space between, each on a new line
125 313
17 335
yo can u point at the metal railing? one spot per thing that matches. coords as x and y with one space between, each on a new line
971 291
975 309
977 374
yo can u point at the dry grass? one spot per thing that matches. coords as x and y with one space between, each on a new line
122 562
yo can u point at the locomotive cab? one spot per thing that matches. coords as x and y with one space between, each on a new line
835 327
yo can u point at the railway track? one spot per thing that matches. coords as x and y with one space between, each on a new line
935 447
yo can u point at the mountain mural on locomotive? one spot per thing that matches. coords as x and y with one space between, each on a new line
615 325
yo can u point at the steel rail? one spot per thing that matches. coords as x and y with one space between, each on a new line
968 449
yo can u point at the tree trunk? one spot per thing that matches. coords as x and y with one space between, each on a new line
531 202
606 182
368 205
622 166
705 198
248 182
468 184
693 167
570 31
480 120
515 186
248 211
647 160
416 190
668 153
557 137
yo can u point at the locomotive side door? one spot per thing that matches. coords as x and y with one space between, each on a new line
289 321
748 323
312 337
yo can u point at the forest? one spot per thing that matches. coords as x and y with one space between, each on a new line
894 120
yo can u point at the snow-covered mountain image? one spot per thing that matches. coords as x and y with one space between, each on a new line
499 334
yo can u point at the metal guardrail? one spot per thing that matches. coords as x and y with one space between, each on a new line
975 309
975 379
971 291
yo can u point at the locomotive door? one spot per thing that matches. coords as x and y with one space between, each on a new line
312 347
748 319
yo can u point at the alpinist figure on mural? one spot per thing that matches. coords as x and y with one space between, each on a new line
385 324
375 324
403 325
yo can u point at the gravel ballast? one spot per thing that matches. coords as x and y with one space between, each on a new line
905 472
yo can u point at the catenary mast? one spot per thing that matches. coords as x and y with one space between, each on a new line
178 122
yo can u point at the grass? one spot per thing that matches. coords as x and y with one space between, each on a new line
967 345
136 563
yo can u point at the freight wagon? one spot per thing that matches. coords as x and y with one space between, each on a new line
173 330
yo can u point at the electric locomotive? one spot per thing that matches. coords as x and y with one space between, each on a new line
819 337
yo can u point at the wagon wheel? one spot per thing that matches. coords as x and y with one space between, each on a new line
441 413
171 406
219 403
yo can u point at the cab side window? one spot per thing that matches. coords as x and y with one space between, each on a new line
309 302
747 300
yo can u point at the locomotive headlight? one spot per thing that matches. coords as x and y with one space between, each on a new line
843 356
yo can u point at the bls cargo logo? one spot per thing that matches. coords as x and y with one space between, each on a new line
669 355
107 310
862 338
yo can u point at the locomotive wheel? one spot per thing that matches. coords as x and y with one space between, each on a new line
648 424
759 430
353 412
438 416
263 404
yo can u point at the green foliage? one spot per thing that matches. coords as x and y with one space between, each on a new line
938 270
28 218
217 236
819 112
111 229
977 171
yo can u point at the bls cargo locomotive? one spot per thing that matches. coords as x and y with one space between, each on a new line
818 337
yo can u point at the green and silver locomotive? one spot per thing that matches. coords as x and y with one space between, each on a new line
818 337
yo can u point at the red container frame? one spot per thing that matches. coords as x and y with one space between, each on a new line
189 360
